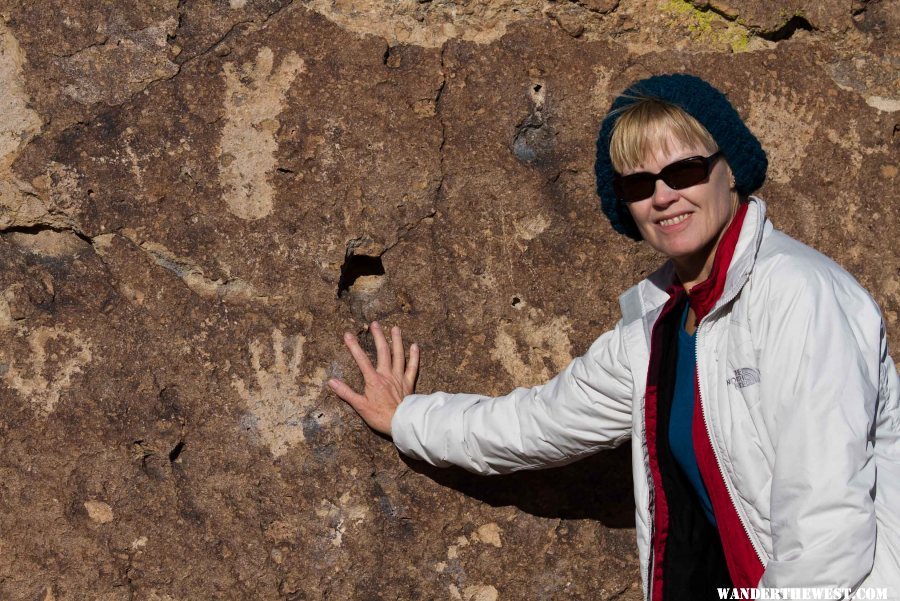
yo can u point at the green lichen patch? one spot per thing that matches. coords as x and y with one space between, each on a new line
707 27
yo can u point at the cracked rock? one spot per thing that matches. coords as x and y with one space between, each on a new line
124 64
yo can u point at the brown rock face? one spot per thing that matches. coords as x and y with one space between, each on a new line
197 198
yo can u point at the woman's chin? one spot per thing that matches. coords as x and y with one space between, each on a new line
677 247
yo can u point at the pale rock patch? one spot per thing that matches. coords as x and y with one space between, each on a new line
49 243
489 534
480 592
232 290
99 511
529 228
6 317
339 514
601 95
454 592
418 23
156 596
884 104
453 550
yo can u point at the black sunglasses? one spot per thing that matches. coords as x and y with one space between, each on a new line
678 175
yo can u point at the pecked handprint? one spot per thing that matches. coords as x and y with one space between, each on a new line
254 97
55 355
281 399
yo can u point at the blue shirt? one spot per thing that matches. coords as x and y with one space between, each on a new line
680 440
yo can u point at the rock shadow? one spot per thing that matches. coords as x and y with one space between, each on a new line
598 487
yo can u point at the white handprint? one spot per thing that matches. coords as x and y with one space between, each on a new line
282 399
254 97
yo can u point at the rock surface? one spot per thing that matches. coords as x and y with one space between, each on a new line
197 198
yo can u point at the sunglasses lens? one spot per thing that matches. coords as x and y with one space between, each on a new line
685 174
633 188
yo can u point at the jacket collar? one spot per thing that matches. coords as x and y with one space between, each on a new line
652 293
703 296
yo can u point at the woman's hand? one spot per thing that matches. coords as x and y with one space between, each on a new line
386 384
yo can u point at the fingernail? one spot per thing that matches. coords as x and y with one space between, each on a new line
374 324
414 347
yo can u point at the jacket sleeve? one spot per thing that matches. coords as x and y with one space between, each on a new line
820 366
585 408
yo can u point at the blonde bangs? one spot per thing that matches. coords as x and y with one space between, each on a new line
647 127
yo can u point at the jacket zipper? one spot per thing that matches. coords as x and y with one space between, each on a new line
651 560
700 331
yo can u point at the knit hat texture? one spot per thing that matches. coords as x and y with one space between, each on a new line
704 103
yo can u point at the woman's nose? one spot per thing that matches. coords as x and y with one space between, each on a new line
663 195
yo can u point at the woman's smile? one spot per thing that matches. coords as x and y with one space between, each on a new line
669 224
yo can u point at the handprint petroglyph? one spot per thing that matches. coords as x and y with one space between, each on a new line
546 345
777 111
20 123
254 97
55 356
282 399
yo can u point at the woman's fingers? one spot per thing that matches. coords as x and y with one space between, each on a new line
412 367
398 360
359 355
390 358
382 351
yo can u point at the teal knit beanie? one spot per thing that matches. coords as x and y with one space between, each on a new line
704 103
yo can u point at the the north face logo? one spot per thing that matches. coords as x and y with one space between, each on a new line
744 377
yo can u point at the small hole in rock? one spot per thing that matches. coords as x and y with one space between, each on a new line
516 300
537 87
176 451
355 267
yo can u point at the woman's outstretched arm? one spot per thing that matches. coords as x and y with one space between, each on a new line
585 408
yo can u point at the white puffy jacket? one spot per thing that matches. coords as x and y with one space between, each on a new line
801 399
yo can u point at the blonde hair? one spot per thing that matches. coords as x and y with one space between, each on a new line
645 128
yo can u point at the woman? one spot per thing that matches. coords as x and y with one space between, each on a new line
750 372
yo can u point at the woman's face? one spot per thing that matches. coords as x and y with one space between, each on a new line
685 225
